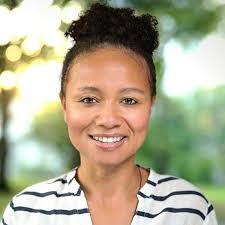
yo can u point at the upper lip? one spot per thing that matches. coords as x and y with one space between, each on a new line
108 135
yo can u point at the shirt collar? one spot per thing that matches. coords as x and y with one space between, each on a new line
150 185
72 183
145 192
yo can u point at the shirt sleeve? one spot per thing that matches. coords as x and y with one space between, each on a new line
8 217
210 217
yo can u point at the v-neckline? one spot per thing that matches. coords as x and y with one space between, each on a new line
145 191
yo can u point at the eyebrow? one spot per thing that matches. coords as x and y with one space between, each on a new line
131 89
88 88
95 89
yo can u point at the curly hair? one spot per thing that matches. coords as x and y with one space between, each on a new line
104 25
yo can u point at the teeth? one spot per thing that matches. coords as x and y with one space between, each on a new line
107 139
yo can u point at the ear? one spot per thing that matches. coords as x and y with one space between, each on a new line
153 101
63 103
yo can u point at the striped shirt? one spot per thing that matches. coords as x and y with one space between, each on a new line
163 200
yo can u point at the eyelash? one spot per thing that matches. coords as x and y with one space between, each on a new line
91 100
129 100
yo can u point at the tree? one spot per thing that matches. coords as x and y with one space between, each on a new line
180 20
6 96
56 135
186 133
183 21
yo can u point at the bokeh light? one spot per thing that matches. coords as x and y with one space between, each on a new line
13 53
39 83
71 12
6 32
7 80
54 38
38 5
31 46
199 67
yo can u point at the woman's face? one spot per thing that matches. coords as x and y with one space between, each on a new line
107 105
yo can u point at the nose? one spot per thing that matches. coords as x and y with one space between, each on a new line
109 116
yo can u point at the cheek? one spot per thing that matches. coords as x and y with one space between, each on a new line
76 120
139 121
139 127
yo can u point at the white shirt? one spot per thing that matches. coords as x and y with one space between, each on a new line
163 200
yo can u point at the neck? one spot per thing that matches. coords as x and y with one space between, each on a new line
103 182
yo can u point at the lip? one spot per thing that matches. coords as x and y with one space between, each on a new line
109 146
108 135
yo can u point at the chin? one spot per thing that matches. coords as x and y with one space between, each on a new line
115 162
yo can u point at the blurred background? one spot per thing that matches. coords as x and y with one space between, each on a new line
187 131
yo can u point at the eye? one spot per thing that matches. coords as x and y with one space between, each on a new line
88 100
129 101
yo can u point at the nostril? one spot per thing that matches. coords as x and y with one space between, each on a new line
108 121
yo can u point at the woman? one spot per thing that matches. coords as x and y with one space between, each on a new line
108 90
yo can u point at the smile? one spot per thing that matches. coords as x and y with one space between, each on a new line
107 139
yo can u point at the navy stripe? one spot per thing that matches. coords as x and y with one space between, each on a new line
167 179
142 195
161 181
46 194
70 180
163 198
172 210
210 209
151 183
63 181
3 222
79 191
49 212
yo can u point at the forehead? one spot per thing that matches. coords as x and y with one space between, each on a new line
110 64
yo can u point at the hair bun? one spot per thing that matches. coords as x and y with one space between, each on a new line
115 25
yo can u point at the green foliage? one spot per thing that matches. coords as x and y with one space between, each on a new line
216 195
49 128
182 19
5 198
168 133
186 138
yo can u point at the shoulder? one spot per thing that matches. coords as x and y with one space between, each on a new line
54 188
168 183
181 192
48 197
44 201
174 198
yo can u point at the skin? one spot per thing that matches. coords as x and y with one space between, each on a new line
108 93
